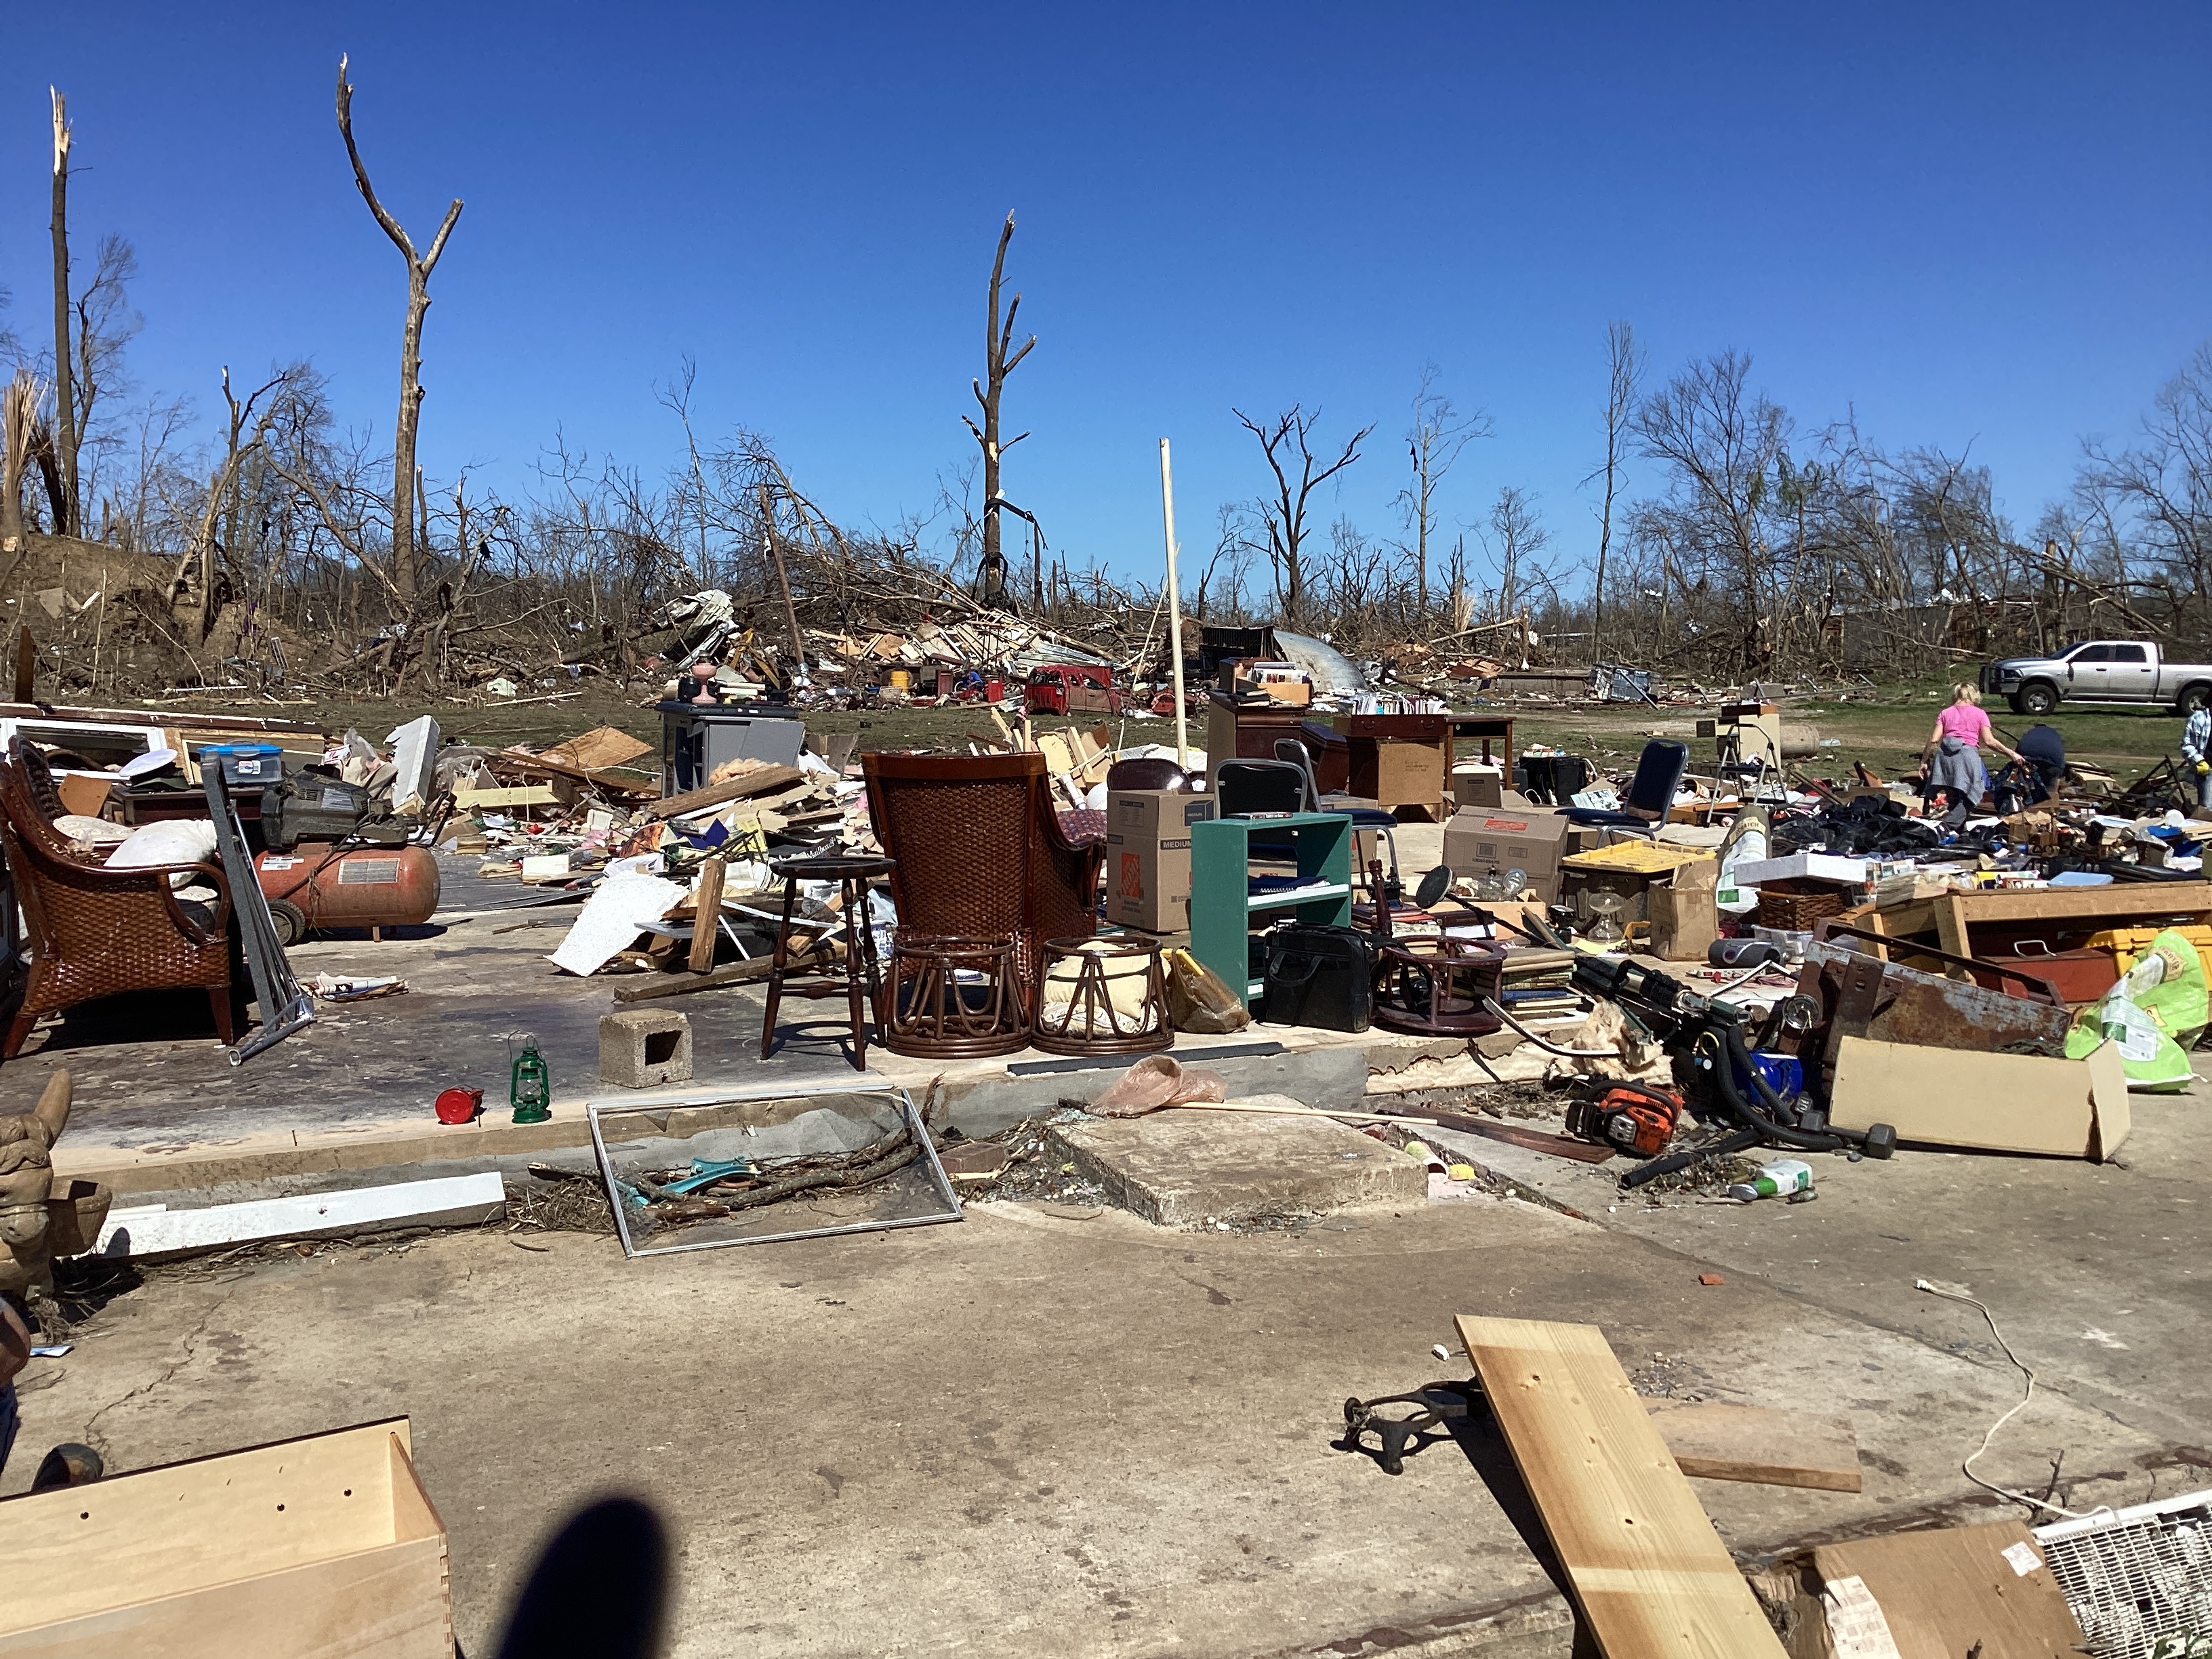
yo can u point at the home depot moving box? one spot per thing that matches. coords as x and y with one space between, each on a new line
1479 841
1148 856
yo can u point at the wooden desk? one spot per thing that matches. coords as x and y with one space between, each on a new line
1485 729
1401 761
1248 731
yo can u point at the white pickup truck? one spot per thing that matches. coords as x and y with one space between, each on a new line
2100 670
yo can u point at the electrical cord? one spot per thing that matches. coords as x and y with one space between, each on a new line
1966 1468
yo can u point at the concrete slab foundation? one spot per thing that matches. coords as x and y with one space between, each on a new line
1178 1169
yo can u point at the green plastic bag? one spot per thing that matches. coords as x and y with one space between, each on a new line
2155 1014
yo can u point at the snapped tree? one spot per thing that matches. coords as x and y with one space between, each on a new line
65 424
406 557
998 363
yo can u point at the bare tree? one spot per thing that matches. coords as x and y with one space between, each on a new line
201 568
998 363
1720 443
405 557
1438 433
65 424
1517 537
1286 441
1625 362
2161 487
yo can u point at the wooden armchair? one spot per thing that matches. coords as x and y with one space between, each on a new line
979 850
93 932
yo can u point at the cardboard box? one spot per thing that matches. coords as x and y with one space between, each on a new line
1478 843
1482 787
1996 1102
1931 1595
1148 856
1286 681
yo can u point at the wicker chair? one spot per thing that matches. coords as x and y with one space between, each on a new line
981 851
97 932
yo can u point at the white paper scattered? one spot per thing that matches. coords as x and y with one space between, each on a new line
2023 1558
1856 1626
613 919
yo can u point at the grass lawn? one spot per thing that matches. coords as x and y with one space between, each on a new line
1885 727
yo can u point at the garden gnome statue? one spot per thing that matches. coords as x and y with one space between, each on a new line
27 1176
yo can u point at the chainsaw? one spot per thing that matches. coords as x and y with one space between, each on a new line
1636 1119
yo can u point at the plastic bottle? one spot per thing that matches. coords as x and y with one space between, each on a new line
1782 1177
532 1089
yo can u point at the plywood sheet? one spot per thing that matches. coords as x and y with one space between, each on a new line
1650 1576
1769 1448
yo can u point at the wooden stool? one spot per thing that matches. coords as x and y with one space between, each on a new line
929 1013
1085 973
1427 986
853 875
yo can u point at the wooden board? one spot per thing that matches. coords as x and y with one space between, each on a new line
607 745
768 777
1769 1448
531 794
1651 1576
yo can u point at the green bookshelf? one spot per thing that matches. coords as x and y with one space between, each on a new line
1221 903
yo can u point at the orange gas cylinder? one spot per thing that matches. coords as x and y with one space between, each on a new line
313 887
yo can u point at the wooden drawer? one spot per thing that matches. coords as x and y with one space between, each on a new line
324 1545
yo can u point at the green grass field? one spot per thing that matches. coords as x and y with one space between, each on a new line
1885 727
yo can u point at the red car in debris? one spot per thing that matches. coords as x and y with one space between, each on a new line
1071 688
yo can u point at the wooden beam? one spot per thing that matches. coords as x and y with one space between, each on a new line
1651 1576
769 778
1769 1448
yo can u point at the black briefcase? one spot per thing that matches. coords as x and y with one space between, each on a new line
1320 976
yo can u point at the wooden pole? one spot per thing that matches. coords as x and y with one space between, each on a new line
1175 608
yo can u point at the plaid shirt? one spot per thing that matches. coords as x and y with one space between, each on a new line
2196 737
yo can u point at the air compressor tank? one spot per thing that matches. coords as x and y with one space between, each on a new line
315 886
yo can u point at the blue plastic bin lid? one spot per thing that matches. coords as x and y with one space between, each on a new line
242 751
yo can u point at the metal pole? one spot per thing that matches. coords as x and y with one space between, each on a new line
1175 609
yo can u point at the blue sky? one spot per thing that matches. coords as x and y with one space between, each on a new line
1982 224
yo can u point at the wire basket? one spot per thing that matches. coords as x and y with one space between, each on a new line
1793 908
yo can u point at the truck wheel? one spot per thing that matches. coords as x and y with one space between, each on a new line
2193 697
2037 700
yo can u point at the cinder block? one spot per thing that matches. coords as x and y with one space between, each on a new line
643 1048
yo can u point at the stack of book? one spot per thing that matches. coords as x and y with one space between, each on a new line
1537 988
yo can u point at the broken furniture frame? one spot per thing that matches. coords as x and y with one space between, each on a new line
1955 918
810 1090
286 1007
1860 994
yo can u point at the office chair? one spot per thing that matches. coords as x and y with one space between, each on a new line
1658 776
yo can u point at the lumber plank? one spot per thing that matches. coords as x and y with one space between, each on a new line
1716 1442
1649 1574
743 788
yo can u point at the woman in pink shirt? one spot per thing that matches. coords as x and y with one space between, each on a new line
1953 759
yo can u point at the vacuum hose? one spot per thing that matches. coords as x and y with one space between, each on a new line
1732 1055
